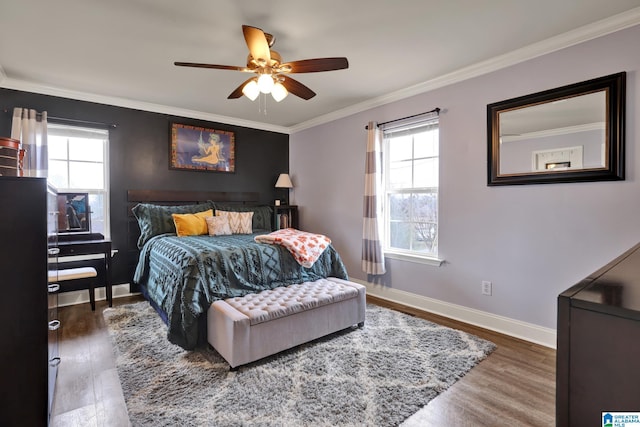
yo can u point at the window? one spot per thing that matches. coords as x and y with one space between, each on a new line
410 177
78 162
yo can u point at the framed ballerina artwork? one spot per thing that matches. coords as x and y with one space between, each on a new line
201 149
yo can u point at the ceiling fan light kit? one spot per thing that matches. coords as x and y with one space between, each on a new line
251 90
279 92
271 72
265 83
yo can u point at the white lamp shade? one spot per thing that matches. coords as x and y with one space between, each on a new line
251 90
284 181
279 92
265 83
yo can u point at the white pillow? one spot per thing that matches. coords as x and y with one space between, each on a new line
218 225
239 222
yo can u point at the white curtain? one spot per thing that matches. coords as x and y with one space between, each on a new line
372 255
30 127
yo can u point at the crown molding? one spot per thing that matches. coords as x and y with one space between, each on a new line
579 35
9 83
582 34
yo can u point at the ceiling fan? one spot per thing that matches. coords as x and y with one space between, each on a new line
272 74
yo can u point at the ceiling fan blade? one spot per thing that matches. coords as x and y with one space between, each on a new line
237 93
257 44
297 88
316 65
215 66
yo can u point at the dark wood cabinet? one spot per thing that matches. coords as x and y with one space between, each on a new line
24 314
53 288
598 351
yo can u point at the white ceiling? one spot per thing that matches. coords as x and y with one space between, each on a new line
121 52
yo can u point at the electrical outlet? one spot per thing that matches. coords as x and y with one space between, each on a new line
486 287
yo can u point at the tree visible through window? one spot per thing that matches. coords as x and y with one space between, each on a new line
78 162
411 170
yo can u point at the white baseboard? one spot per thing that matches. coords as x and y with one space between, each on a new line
504 325
80 297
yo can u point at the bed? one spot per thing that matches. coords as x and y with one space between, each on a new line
182 276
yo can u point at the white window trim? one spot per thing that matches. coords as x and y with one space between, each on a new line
410 257
105 191
397 254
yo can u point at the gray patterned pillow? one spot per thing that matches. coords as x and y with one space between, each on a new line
262 215
157 219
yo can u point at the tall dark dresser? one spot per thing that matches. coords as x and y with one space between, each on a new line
25 313
598 355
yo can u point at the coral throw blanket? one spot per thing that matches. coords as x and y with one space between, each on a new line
305 247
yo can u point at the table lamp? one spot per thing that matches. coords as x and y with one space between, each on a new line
284 182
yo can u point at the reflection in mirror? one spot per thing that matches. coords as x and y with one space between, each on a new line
563 134
573 133
73 213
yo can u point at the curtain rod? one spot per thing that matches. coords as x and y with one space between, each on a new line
86 122
62 119
435 110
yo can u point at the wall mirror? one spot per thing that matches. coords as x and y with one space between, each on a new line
74 213
569 134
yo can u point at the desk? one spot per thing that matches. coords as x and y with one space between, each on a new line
91 247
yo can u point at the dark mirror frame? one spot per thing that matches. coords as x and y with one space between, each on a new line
613 85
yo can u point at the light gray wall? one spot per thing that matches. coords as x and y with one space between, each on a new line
531 241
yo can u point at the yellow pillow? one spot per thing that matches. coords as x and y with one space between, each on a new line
191 224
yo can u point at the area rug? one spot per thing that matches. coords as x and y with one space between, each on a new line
377 375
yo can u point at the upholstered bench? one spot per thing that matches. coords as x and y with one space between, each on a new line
248 328
83 276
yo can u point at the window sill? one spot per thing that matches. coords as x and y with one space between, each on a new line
414 258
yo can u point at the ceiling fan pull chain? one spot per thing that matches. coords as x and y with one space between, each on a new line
262 104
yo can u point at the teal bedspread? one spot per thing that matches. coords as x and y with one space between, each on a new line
184 275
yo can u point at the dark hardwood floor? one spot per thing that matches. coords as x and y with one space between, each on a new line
514 386
88 391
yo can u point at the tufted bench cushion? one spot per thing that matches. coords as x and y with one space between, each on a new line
284 301
248 328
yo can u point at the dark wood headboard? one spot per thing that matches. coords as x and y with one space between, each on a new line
173 197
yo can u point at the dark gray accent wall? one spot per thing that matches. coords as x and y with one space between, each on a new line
139 157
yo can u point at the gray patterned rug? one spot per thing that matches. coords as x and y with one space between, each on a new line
377 375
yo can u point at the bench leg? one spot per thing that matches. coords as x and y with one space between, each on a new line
109 290
92 296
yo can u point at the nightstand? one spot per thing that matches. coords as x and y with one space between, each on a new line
285 216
